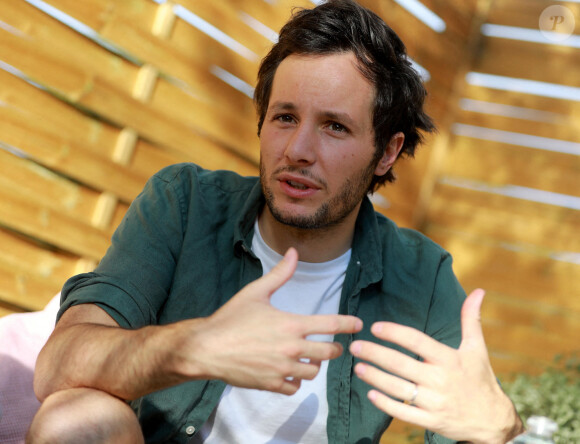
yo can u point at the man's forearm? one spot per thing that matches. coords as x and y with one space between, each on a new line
125 363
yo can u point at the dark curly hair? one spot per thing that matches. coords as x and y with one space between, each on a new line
343 25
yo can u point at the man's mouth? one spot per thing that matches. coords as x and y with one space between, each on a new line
297 185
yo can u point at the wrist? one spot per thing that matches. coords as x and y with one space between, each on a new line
507 424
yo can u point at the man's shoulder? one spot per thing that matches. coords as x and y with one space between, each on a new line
407 245
191 175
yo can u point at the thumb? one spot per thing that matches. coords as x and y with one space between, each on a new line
264 287
472 333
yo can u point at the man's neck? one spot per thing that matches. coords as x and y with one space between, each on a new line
313 245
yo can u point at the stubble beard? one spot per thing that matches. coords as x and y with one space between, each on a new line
329 213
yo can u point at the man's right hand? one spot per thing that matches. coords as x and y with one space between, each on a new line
248 343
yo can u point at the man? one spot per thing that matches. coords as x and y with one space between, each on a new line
202 316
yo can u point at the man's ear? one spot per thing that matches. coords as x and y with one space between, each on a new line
390 155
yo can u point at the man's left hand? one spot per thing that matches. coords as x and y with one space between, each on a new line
453 392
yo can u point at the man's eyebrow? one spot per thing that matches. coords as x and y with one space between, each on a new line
283 106
340 117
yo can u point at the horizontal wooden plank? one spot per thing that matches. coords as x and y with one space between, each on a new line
149 159
560 109
200 48
27 292
524 276
190 67
525 343
522 13
66 157
502 164
418 37
96 93
506 219
25 255
499 308
51 226
38 184
228 19
514 58
561 128
272 14
53 114
72 58
458 15
218 121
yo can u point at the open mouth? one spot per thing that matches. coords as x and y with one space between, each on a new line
297 185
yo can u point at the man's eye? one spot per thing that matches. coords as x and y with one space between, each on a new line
284 118
337 127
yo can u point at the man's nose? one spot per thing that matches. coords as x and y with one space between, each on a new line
301 146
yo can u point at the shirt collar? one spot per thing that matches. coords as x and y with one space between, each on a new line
366 247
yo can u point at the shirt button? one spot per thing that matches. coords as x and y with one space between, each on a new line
190 430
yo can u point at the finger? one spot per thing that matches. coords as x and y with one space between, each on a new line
471 331
391 385
414 341
399 410
391 360
306 370
278 276
289 386
331 324
321 351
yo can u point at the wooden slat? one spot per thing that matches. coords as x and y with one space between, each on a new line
38 184
506 219
418 38
568 109
227 18
73 59
21 290
502 164
482 262
272 14
527 344
51 226
498 309
217 122
514 58
57 116
523 13
187 65
66 157
457 14
199 47
99 95
26 256
148 159
562 129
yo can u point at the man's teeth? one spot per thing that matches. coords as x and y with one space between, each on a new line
297 185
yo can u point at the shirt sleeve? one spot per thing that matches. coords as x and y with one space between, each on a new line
444 322
132 281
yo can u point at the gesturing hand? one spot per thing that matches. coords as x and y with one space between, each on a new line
455 391
248 343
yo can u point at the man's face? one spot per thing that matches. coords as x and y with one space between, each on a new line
317 141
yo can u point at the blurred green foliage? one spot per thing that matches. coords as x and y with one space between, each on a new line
554 394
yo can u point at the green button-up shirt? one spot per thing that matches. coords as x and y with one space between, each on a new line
184 249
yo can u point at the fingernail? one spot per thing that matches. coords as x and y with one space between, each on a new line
372 395
360 369
377 327
355 348
359 324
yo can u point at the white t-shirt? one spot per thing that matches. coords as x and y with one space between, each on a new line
260 417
